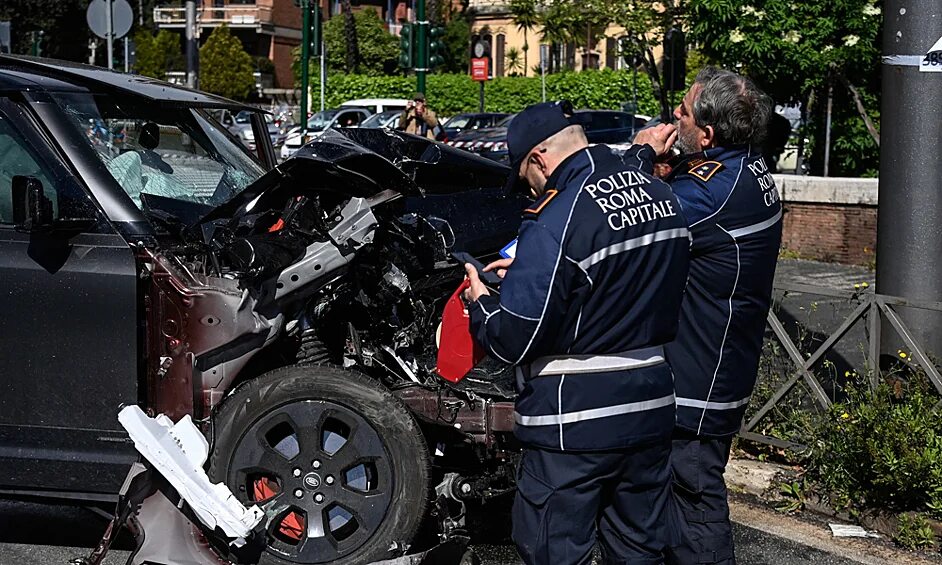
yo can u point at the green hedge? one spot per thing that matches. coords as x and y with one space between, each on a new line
449 94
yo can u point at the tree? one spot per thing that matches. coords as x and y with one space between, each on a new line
225 68
457 40
645 23
377 48
570 22
801 51
352 47
157 54
63 37
525 16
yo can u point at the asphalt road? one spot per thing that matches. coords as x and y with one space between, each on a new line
38 534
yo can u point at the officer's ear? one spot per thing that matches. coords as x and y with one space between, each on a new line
709 137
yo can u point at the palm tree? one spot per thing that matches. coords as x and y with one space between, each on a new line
350 34
514 66
524 13
556 20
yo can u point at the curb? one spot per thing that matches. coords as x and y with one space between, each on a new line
757 478
761 479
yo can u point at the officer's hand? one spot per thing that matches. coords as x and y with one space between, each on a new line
501 265
477 289
661 137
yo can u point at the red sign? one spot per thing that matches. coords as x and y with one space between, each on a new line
479 68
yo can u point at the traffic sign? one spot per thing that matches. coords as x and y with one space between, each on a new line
479 68
122 16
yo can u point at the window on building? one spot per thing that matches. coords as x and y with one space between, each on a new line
499 55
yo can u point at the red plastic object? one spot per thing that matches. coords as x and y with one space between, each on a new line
458 352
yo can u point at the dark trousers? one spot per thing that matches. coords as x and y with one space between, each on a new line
568 501
700 510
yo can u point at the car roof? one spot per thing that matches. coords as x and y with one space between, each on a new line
35 73
370 101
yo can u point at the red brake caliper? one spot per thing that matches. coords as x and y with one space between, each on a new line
292 525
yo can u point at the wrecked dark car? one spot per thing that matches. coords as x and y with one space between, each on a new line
291 312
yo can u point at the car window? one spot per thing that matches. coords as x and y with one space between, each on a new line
321 120
172 152
350 118
458 122
17 158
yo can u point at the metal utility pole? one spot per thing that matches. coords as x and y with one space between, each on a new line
323 69
305 62
909 234
827 131
109 18
192 47
421 44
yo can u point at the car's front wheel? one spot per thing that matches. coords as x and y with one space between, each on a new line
333 458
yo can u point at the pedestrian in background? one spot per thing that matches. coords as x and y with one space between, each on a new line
585 308
735 218
418 119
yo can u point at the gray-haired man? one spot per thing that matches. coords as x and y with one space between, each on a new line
735 218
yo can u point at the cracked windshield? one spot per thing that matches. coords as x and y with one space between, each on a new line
176 153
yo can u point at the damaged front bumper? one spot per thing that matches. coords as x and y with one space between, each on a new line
178 517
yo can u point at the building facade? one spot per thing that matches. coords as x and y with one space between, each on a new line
492 22
268 29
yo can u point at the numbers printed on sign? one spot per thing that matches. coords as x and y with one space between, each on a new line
932 62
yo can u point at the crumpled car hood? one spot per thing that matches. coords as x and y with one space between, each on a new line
336 162
364 162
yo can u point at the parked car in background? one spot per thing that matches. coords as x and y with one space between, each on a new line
239 124
388 120
486 142
603 126
467 122
323 121
377 105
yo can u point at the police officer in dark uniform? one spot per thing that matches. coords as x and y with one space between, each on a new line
584 311
732 205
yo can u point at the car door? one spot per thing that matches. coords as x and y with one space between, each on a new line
68 328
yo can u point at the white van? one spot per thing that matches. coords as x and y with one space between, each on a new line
379 105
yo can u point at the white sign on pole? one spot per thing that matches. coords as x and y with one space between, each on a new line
932 62
121 14
110 19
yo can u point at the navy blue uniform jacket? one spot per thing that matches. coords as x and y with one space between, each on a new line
600 269
735 216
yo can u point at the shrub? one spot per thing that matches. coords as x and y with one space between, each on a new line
882 449
450 94
914 532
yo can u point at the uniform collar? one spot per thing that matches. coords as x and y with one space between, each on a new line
570 168
723 153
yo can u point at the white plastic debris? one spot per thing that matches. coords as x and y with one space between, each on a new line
178 452
848 531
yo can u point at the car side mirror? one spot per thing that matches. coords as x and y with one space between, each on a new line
32 211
